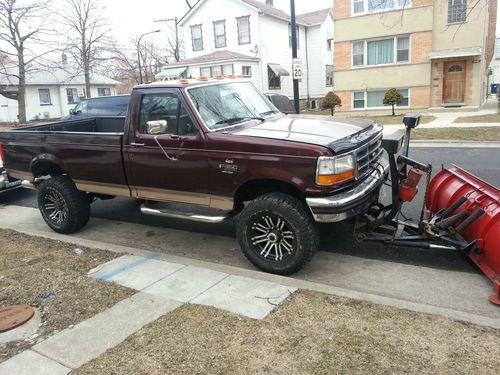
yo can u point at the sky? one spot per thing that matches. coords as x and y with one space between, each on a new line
130 18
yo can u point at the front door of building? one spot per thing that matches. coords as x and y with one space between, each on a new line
454 82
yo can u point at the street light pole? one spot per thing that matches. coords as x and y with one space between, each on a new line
293 26
139 52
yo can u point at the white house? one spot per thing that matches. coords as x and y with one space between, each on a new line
495 65
50 94
253 39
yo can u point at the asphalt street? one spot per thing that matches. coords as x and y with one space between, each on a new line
335 238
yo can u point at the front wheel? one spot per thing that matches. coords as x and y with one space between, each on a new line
277 234
64 208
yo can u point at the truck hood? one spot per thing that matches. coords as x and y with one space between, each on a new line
337 135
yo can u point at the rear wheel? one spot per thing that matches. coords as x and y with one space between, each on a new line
64 208
277 233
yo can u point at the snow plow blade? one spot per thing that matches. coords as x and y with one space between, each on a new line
461 191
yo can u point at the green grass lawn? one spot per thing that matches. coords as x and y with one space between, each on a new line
490 133
479 118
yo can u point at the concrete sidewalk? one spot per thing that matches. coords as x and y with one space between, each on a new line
162 287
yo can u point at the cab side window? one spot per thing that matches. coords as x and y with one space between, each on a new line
164 114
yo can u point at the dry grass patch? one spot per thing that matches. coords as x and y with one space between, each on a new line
490 133
382 119
479 118
49 276
310 333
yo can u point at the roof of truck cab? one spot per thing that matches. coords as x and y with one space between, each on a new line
190 83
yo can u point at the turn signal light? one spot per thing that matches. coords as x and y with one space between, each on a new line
335 178
183 81
1 152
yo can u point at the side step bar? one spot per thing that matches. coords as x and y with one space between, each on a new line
178 214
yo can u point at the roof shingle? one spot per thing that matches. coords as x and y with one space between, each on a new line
214 57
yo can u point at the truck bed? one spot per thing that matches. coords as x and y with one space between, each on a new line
89 150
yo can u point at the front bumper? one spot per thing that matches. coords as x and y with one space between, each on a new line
6 185
352 202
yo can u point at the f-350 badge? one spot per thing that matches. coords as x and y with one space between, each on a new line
228 167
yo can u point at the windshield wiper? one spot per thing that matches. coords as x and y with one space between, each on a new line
269 113
235 120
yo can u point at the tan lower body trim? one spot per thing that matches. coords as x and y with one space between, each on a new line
20 175
103 188
163 195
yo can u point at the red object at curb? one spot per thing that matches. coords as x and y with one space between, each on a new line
447 187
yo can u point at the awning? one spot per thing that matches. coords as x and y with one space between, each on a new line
450 53
171 73
278 70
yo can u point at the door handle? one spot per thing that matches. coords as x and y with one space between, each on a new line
175 137
136 144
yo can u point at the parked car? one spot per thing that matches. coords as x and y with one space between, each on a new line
99 107
282 102
208 151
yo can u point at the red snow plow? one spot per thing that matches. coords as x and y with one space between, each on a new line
460 211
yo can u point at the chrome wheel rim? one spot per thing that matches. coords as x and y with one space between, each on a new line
55 207
272 238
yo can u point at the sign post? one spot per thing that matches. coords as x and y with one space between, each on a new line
293 26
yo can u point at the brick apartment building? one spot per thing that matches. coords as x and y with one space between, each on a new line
436 53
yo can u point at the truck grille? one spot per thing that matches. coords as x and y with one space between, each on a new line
368 155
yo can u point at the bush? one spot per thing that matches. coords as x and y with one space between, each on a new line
331 101
392 98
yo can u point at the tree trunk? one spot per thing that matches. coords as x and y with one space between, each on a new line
332 110
86 73
21 98
393 113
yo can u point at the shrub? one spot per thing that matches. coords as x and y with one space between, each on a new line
392 98
331 101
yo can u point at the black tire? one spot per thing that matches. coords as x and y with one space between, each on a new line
294 239
60 194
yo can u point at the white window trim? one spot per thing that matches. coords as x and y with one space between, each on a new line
395 52
365 8
365 108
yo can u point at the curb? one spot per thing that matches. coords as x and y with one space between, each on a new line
286 281
444 143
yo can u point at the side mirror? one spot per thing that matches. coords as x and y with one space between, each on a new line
411 121
156 127
71 111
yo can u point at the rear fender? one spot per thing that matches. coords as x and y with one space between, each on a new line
44 164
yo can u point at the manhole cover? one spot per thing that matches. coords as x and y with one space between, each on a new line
14 316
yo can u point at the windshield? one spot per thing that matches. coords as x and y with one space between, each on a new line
230 103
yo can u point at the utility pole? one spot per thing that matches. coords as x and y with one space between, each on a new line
177 52
293 26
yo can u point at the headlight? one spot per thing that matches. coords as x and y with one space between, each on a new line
333 170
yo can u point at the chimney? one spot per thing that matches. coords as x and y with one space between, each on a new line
270 3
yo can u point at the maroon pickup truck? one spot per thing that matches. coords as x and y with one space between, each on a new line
207 151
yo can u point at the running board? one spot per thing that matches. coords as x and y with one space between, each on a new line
192 213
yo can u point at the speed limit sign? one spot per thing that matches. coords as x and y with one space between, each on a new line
297 69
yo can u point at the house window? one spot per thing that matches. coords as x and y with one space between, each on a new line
329 75
220 34
359 100
72 95
375 99
217 70
403 49
457 11
290 36
329 44
44 95
274 79
246 71
243 29
205 71
197 37
358 53
103 91
381 51
371 6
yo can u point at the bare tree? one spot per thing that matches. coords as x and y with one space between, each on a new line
188 4
124 65
21 24
88 35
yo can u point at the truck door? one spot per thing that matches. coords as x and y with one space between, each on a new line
165 154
